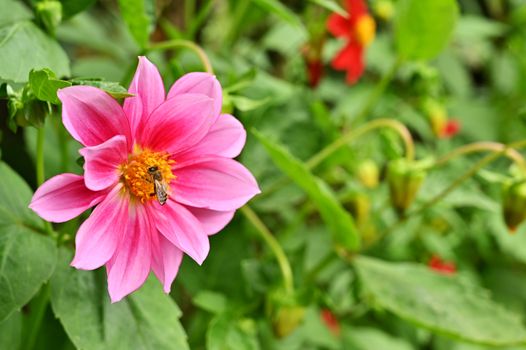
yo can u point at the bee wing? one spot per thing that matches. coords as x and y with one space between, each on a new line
160 191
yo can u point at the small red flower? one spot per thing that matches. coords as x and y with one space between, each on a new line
358 28
450 129
331 321
444 267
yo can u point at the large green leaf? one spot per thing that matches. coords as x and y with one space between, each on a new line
423 28
13 11
446 305
335 216
139 16
364 338
27 258
147 319
72 7
25 47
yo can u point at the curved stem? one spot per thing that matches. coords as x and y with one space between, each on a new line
41 177
481 147
497 152
177 43
273 244
352 135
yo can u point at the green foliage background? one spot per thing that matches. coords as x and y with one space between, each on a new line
347 249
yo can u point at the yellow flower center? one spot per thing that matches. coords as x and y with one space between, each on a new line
142 167
365 30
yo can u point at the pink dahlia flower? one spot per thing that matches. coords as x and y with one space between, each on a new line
177 146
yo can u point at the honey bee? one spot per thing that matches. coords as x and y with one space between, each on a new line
159 186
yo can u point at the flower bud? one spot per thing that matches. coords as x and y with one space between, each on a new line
384 9
514 203
287 319
404 178
368 173
50 14
436 115
360 207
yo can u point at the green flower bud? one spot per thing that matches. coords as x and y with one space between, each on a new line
368 173
404 178
514 203
287 319
49 14
360 207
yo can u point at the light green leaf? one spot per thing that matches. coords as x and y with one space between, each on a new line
364 338
210 301
113 88
27 257
25 47
11 331
280 10
338 220
45 84
139 17
13 11
423 28
331 6
245 104
225 332
147 319
445 305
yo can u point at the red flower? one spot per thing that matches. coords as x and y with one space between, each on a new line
358 28
450 129
331 321
444 267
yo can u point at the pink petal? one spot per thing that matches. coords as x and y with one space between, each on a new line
98 236
181 228
64 197
226 138
213 183
130 265
102 162
178 123
148 88
212 221
92 116
166 260
199 83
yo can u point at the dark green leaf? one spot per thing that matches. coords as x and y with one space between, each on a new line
27 258
10 331
114 89
337 219
139 16
25 47
446 305
210 301
72 7
423 28
147 319
45 84
280 10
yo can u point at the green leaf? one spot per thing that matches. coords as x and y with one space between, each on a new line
13 11
147 319
72 7
246 104
331 6
225 332
139 17
364 338
114 89
45 84
339 221
11 331
423 28
25 47
211 301
27 258
280 10
446 305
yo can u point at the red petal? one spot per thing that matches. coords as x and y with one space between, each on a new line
338 26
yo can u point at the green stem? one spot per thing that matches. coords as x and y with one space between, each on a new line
481 147
37 311
273 244
239 14
352 135
41 177
177 43
377 92
504 150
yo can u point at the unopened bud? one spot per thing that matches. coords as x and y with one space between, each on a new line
287 319
436 115
360 207
384 9
514 203
404 178
50 14
368 173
